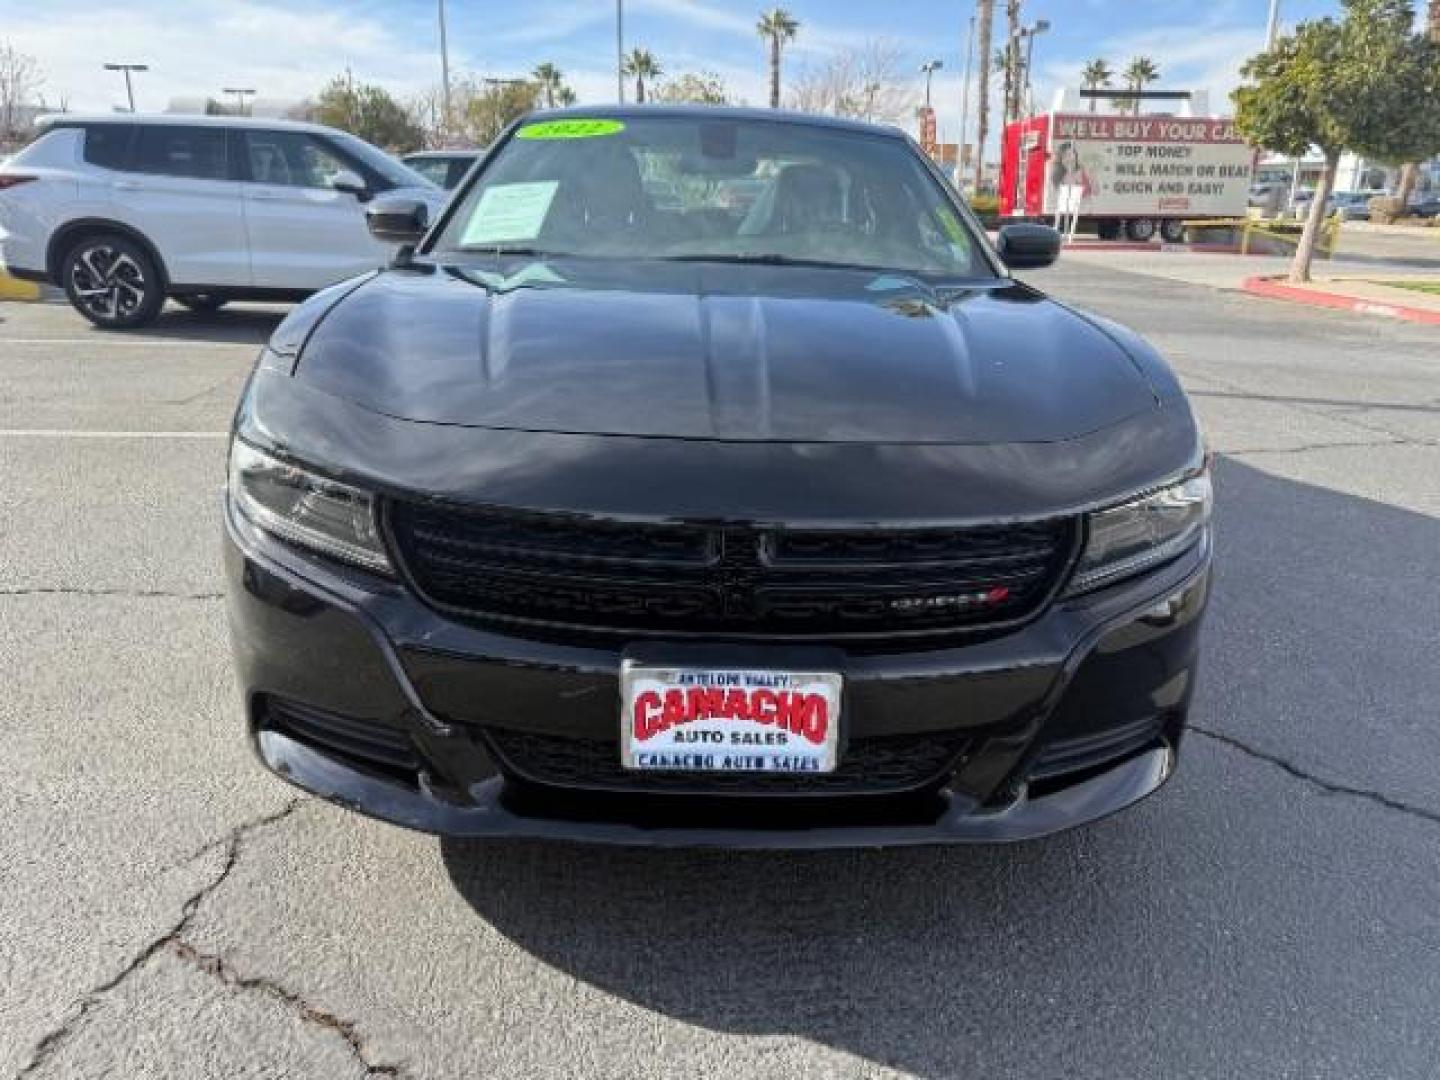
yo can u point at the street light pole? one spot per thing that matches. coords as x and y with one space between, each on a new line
620 49
127 69
444 73
1272 27
240 92
928 69
964 106
1030 32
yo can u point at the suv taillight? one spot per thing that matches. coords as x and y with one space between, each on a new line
9 180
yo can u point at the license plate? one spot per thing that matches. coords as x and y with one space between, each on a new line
728 720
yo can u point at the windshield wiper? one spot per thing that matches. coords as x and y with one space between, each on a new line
764 258
509 249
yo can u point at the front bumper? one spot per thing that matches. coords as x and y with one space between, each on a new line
1066 720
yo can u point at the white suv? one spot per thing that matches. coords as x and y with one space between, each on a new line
123 210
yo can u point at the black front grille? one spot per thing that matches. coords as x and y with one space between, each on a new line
605 575
882 765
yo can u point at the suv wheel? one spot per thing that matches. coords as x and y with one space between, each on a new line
202 303
113 282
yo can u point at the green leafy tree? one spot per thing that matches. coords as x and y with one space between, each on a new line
565 96
1410 172
1365 83
486 109
368 111
641 65
699 88
1138 74
778 27
984 25
551 80
1096 74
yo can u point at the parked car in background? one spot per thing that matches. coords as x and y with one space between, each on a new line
1268 195
444 168
1427 207
122 211
1350 205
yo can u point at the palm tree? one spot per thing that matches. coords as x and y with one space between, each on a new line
1012 60
565 96
550 79
985 18
1097 73
1140 71
777 26
643 65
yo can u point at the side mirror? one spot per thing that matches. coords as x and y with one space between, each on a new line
350 184
397 220
1028 247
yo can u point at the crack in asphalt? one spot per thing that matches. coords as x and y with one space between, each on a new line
51 1042
133 594
1307 447
216 966
1345 416
1330 787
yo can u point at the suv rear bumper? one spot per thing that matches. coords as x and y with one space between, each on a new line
1066 720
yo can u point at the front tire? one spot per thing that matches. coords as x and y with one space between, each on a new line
1141 230
113 282
1172 231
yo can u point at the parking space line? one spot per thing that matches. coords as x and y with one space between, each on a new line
149 343
61 433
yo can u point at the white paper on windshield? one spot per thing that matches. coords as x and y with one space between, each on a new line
509 212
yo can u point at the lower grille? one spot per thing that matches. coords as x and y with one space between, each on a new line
886 765
376 747
1084 752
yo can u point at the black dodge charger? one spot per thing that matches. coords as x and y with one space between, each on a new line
703 477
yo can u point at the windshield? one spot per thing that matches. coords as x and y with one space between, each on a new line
698 189
396 173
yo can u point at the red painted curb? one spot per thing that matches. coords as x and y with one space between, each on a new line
1264 286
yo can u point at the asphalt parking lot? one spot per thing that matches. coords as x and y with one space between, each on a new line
169 910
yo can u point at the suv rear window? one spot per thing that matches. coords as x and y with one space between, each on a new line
172 150
108 145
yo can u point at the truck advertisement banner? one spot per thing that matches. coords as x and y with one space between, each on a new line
1134 166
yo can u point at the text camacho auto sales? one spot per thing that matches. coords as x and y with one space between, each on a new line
754 710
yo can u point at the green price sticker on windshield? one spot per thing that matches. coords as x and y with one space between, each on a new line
570 129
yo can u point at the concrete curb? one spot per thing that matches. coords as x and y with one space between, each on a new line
12 288
1148 245
1272 288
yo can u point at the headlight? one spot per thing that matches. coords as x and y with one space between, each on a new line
303 508
1126 540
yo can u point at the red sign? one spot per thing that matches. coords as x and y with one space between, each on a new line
928 140
806 715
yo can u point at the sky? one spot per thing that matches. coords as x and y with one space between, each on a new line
287 49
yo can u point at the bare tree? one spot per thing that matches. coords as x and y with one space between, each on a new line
20 79
427 112
868 83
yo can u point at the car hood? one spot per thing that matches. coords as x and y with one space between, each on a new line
721 352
